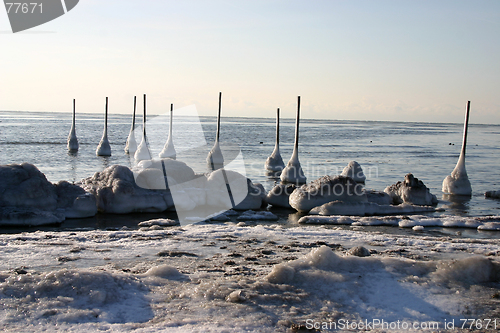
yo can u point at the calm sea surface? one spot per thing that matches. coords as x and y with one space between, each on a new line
386 150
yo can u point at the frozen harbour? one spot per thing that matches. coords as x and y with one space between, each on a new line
237 277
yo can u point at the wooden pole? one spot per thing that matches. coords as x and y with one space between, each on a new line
218 116
297 124
106 116
133 119
278 126
144 117
74 112
171 117
466 126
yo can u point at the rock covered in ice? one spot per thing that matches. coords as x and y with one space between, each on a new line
22 216
28 198
367 209
378 197
412 191
159 222
25 186
458 182
324 190
251 215
280 194
492 194
74 201
117 192
345 208
359 251
354 170
150 175
243 192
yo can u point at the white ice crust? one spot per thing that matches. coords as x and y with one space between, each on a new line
354 170
206 275
326 189
458 182
28 198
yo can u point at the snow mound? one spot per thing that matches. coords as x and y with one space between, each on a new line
165 272
354 170
75 296
412 191
117 192
324 190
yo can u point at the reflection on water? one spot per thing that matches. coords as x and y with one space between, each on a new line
457 204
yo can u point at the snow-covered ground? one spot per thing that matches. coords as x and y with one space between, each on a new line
245 277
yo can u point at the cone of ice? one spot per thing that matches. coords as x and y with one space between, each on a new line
169 150
215 160
72 140
104 149
293 173
354 170
131 144
142 153
458 182
274 162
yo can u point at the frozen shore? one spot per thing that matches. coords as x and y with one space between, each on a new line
240 277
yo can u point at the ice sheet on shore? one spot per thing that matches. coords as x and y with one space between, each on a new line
404 221
367 208
201 277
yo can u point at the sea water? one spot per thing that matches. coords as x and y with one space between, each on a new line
387 151
251 277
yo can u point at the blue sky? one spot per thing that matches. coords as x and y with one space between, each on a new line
369 60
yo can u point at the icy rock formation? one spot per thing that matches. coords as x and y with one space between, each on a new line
28 198
378 197
324 190
74 202
150 174
354 170
492 194
25 186
366 209
280 194
412 191
117 192
242 192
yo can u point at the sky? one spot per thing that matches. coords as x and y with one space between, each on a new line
396 60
